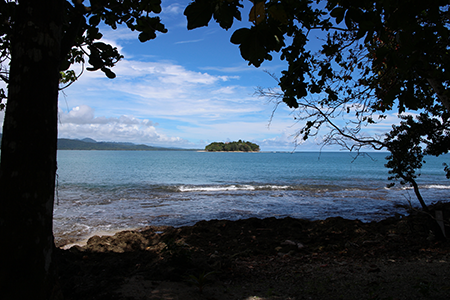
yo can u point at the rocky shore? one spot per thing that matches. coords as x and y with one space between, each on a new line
397 258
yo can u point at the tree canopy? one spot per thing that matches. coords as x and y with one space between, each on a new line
377 57
240 146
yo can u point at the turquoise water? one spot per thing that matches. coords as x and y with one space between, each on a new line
114 190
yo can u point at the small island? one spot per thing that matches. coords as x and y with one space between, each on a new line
238 146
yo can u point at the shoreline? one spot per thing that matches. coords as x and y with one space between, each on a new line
82 241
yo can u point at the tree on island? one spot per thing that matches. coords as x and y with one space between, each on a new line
232 147
42 39
377 57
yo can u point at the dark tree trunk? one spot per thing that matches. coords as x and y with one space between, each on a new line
28 154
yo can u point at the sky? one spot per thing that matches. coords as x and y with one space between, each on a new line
184 89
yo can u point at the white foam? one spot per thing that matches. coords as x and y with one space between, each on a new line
216 188
430 186
437 186
275 187
230 188
83 241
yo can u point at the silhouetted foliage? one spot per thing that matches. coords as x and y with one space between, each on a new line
377 56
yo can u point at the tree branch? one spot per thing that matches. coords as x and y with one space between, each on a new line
376 144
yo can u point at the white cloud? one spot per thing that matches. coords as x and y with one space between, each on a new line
122 33
81 122
84 114
165 72
165 90
189 41
79 115
227 90
283 141
173 9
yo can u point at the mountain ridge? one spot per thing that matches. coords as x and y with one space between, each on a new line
91 144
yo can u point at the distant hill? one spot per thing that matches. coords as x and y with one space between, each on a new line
88 140
90 144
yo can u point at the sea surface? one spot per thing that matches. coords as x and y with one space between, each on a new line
107 191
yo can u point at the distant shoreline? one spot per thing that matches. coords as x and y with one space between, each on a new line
137 150
90 144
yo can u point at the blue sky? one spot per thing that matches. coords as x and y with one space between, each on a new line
184 89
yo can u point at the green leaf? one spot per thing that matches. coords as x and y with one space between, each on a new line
278 13
253 50
237 15
338 13
161 28
110 74
348 21
291 102
257 13
67 76
198 14
368 36
93 33
65 64
146 36
314 88
256 43
102 46
361 33
225 13
240 36
155 6
94 20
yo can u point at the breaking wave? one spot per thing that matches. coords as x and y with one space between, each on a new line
231 187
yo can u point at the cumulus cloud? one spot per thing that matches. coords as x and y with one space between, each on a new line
173 9
166 72
81 122
84 114
79 115
166 90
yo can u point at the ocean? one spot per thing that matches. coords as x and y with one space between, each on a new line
107 191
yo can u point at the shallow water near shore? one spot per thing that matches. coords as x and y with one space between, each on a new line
106 191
